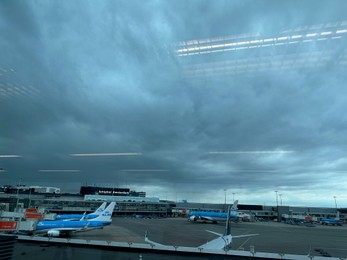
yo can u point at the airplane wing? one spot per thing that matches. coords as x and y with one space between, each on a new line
56 232
154 243
206 218
218 243
248 235
218 234
221 242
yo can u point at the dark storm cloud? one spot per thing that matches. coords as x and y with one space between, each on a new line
104 78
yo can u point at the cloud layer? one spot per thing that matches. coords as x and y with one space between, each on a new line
104 78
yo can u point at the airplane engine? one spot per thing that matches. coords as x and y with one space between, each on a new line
193 218
53 233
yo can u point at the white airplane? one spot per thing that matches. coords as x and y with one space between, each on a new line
222 242
56 228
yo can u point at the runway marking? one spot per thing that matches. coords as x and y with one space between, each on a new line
241 246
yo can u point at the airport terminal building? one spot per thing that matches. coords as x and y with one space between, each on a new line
49 199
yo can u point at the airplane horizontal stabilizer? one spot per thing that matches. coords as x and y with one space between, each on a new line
249 235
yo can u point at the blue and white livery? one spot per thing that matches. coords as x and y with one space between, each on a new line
95 214
332 221
214 216
58 228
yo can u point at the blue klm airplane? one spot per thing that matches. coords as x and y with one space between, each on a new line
79 216
332 221
56 228
214 216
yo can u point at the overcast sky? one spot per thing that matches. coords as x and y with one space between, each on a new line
105 77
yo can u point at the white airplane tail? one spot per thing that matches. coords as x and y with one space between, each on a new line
337 216
99 210
234 206
233 209
223 240
227 224
106 214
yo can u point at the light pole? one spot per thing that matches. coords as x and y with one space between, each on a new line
17 199
277 204
233 196
280 199
225 197
276 198
335 202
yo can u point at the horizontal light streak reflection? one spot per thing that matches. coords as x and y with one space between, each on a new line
220 47
253 171
104 154
59 170
326 33
144 170
296 36
251 152
9 156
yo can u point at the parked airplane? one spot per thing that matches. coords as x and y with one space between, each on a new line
332 221
214 216
55 228
222 242
79 216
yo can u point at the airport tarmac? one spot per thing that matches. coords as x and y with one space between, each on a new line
273 237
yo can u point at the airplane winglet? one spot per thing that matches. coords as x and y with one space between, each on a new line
83 216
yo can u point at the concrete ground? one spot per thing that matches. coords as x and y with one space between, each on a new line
273 237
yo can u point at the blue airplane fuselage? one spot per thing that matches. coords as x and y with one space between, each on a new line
331 221
214 215
57 224
75 216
